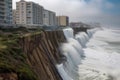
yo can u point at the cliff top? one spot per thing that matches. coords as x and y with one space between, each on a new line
12 59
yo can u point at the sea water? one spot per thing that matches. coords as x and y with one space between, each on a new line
94 55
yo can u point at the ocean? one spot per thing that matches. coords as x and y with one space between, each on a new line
94 55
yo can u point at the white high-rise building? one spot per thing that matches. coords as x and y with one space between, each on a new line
5 12
49 18
29 13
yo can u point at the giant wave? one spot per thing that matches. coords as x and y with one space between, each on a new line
90 56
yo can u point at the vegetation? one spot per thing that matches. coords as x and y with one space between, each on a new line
12 59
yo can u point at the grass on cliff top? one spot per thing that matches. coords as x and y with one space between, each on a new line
12 59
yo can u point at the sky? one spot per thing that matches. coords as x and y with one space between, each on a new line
105 12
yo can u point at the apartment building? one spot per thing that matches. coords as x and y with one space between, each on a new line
49 18
5 12
62 20
29 13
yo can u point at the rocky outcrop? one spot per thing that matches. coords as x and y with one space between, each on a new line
8 76
43 53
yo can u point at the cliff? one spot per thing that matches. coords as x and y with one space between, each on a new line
30 55
42 51
13 65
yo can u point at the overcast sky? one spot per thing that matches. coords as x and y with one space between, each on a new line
106 12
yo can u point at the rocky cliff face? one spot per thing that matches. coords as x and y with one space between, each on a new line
43 53
32 56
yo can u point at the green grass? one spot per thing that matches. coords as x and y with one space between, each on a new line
12 58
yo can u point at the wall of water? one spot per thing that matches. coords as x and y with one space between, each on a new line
73 50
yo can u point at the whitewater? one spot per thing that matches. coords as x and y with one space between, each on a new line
91 55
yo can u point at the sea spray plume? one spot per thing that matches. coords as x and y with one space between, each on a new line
82 37
100 63
76 45
72 53
64 50
70 66
63 73
68 33
69 47
90 32
114 74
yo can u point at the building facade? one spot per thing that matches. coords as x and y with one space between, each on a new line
29 13
14 16
62 20
49 18
5 11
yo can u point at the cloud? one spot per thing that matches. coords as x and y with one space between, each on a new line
109 5
76 8
82 10
72 7
104 20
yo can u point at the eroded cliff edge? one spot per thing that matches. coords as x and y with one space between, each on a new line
43 53
31 55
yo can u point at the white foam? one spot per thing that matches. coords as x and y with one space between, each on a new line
82 37
102 60
63 73
68 33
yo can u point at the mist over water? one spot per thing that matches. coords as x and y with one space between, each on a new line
94 55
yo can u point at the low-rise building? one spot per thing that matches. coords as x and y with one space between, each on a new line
62 21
